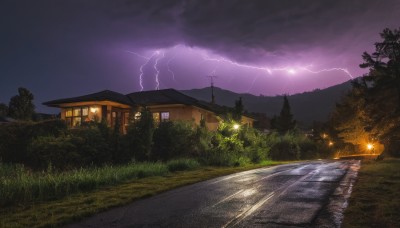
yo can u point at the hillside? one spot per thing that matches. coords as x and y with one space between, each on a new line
306 107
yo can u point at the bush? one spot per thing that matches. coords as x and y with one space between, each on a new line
182 164
284 147
15 138
138 142
75 148
173 140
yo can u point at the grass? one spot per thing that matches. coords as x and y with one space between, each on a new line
79 205
19 185
375 200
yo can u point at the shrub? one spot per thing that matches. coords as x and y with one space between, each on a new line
182 164
15 138
173 140
284 147
138 142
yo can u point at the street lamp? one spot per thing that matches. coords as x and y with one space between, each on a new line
236 126
370 147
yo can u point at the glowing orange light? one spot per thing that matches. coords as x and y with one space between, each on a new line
94 109
330 143
370 146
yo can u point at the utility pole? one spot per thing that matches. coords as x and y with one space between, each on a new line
212 88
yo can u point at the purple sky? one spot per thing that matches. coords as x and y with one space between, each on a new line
67 48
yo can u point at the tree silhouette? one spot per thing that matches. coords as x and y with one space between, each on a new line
3 110
383 89
21 106
284 122
238 110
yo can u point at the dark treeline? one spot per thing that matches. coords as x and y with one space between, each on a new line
368 116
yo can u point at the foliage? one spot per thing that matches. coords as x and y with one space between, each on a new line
238 110
20 185
173 139
182 164
139 138
21 106
371 111
3 110
284 122
15 138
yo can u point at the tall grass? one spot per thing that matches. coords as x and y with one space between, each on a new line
20 185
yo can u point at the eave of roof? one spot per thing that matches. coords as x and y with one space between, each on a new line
105 95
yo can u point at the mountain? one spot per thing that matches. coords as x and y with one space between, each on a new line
306 107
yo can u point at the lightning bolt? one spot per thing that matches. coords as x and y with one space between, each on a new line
169 68
156 68
289 70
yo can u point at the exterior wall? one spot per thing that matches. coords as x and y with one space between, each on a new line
112 111
187 113
247 121
96 112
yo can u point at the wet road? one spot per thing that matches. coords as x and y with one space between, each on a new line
308 194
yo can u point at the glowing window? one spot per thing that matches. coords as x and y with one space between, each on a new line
77 121
156 117
138 115
85 111
164 116
77 111
68 113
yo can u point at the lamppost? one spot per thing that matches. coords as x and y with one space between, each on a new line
371 147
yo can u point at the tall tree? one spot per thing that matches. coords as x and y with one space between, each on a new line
21 106
350 117
238 110
284 122
383 93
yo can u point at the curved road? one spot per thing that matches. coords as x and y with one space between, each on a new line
307 194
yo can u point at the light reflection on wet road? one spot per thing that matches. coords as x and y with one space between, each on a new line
292 195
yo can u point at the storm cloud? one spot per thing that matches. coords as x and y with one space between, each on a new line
78 46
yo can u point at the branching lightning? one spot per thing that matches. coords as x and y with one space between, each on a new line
289 70
157 56
156 68
155 61
169 68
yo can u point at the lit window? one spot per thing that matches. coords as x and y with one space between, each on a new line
77 121
77 111
138 115
164 116
68 113
85 111
114 114
156 117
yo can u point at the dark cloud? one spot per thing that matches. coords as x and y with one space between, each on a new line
78 45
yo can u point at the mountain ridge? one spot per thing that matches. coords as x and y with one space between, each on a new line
306 107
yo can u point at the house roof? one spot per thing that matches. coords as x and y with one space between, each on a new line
145 98
165 96
105 95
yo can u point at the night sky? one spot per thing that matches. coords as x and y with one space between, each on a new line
68 48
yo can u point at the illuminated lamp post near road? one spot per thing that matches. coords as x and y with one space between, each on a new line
370 147
236 127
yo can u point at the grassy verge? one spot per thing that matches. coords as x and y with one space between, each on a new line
79 205
375 201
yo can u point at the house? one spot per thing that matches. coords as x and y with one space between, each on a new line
167 104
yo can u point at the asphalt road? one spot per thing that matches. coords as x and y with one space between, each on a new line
307 194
